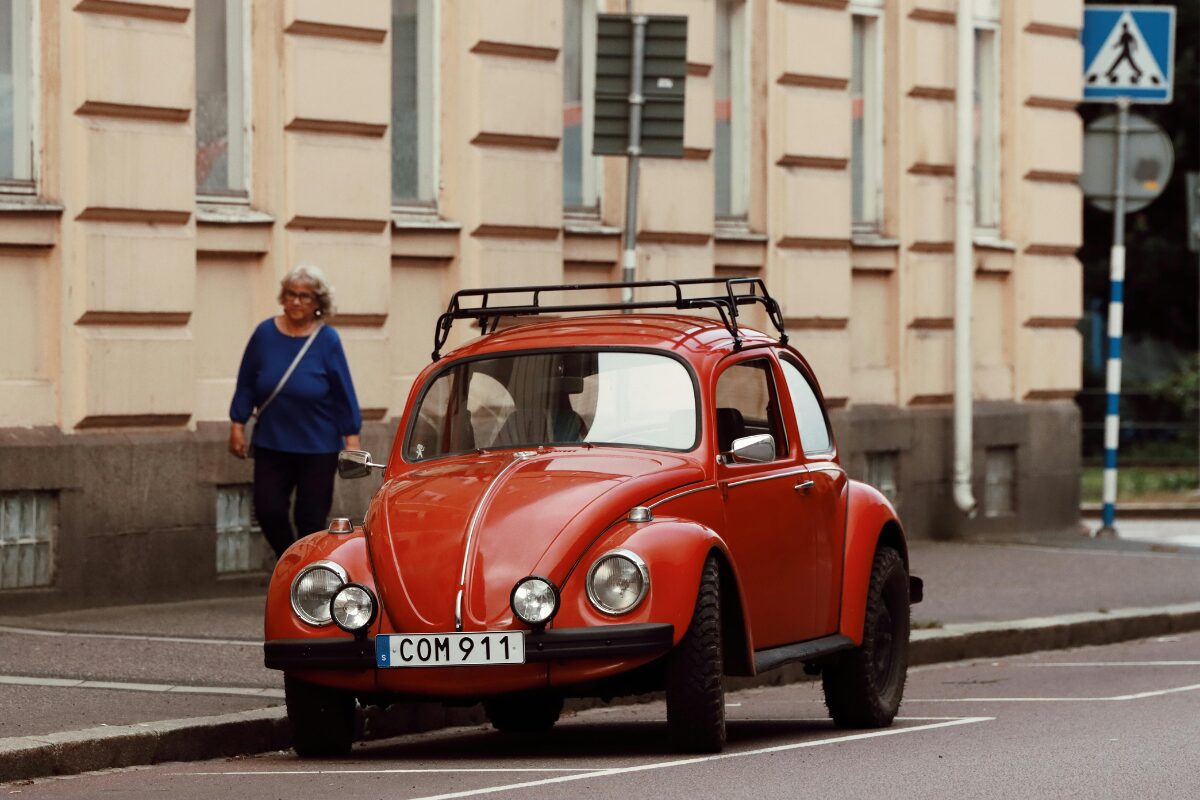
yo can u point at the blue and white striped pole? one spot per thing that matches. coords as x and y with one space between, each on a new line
1116 319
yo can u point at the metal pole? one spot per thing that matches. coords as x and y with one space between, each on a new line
636 102
1116 318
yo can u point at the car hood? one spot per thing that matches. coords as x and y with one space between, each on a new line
483 522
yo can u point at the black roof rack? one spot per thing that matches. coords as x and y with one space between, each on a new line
738 292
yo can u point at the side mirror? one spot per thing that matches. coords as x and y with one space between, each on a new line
755 449
355 464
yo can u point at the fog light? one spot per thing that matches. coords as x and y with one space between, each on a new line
534 600
353 608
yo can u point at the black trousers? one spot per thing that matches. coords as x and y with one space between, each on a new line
276 476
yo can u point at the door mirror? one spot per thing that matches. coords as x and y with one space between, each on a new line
355 464
754 449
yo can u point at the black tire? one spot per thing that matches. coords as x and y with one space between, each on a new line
322 719
695 674
524 713
863 689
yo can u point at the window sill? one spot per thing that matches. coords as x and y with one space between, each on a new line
415 221
27 204
989 241
231 214
874 240
589 227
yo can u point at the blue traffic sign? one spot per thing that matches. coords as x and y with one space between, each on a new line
1128 53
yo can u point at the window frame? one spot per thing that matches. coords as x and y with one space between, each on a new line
591 175
988 158
26 72
783 445
872 14
428 112
740 111
238 96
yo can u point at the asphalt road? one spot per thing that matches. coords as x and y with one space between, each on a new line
1105 722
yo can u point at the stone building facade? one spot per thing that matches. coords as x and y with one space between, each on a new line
167 161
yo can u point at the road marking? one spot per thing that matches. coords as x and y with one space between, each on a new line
1114 664
131 637
398 771
1117 698
158 688
603 773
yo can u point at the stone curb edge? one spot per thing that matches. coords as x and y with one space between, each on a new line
263 730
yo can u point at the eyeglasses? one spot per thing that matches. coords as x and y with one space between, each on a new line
303 297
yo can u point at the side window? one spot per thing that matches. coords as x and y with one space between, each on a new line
814 431
747 404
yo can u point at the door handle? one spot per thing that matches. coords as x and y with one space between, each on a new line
803 486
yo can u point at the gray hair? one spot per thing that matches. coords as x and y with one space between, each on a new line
322 291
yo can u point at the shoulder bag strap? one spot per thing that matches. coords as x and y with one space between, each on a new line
291 368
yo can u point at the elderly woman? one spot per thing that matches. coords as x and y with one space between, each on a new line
295 380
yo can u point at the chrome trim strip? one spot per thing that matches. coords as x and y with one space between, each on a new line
519 458
682 494
774 476
458 611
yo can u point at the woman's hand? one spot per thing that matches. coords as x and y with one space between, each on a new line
353 443
237 439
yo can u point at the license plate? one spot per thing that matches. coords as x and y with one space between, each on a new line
449 649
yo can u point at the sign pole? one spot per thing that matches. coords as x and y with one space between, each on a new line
636 101
1116 314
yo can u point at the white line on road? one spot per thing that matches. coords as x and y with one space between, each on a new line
160 688
1113 664
131 637
603 773
1118 698
399 771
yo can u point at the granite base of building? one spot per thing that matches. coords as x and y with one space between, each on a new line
135 514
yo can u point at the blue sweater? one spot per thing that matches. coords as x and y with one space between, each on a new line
316 407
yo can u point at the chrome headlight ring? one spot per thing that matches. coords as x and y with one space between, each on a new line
317 613
634 559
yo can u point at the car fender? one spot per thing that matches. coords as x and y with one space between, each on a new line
348 550
674 551
870 521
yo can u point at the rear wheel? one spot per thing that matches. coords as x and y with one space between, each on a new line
322 719
525 713
695 682
864 688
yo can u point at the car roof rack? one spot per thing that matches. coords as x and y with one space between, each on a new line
738 292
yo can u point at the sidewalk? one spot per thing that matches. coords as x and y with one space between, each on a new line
122 686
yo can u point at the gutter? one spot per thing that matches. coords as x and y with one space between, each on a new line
964 268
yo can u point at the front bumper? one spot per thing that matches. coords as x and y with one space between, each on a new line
608 641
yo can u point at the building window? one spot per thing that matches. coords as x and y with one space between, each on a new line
883 471
414 178
581 169
222 95
240 543
16 96
866 116
987 116
999 482
28 535
731 90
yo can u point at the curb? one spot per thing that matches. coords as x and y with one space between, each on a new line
263 730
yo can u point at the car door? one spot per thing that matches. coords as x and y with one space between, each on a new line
822 498
761 502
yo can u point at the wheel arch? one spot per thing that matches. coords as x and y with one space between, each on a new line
736 644
871 523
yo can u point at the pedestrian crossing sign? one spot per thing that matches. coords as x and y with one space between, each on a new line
1128 52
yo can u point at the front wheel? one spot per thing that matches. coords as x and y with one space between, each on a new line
864 688
322 719
695 682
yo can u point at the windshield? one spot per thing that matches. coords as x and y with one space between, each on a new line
599 397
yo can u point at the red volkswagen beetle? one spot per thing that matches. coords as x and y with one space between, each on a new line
598 506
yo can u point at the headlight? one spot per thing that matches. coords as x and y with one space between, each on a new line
534 600
617 582
313 588
353 608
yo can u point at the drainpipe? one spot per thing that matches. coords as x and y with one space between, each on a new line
964 267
